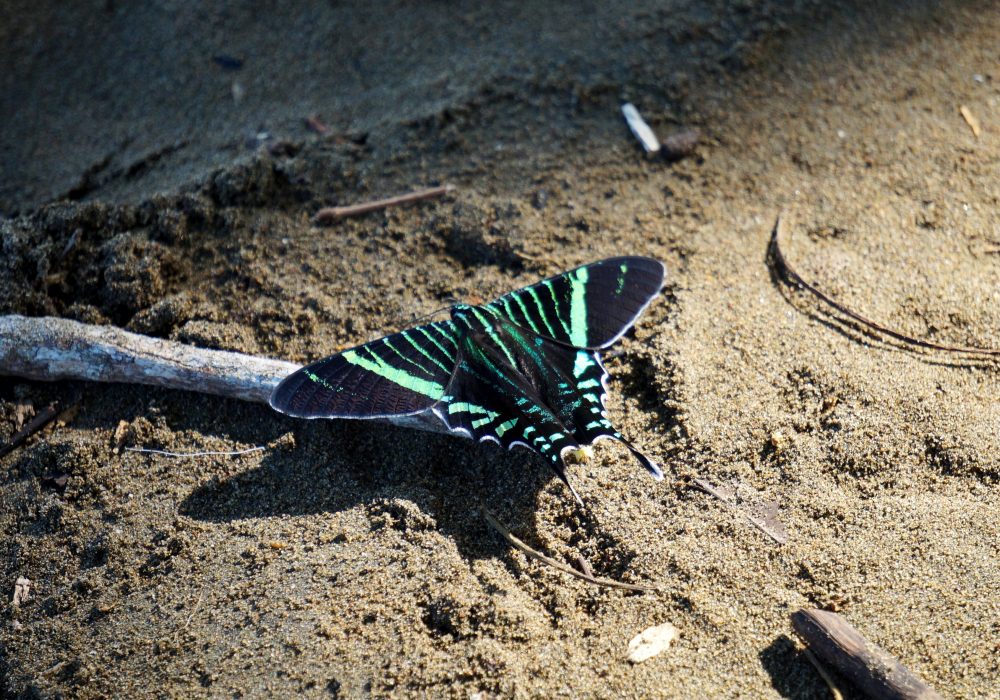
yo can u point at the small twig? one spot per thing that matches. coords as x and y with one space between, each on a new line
760 523
316 124
640 129
195 609
208 453
328 215
48 349
53 669
558 566
834 690
869 667
786 271
34 425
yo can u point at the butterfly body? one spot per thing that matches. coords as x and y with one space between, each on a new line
523 370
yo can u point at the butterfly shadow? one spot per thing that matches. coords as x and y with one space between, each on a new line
386 470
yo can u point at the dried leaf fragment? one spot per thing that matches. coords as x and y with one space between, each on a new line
650 642
22 412
22 591
971 120
119 437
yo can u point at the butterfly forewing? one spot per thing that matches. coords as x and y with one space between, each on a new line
589 307
398 375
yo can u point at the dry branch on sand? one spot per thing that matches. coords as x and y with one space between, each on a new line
48 349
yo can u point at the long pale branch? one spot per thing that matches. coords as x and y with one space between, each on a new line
48 349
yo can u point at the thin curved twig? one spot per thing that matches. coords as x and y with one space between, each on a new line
790 275
559 566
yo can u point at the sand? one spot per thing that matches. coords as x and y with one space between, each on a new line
148 186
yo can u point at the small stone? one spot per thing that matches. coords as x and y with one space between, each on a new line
650 642
781 441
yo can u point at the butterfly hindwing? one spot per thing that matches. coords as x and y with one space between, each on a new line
589 307
401 374
578 397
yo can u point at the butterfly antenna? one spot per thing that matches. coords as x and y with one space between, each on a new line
418 319
575 494
560 470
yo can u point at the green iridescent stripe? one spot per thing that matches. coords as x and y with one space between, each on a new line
398 376
430 337
488 327
418 348
555 306
505 426
385 341
541 311
578 308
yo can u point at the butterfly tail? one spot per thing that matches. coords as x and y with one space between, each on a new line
611 434
651 466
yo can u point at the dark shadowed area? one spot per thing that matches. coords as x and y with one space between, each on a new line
157 172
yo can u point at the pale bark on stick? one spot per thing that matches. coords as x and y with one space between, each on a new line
48 349
872 669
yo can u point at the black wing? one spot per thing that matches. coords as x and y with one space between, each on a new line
398 375
589 307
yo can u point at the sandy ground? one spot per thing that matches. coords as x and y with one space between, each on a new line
349 559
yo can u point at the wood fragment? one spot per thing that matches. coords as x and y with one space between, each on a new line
22 413
681 144
48 349
640 129
328 215
872 669
56 481
34 425
118 439
54 668
790 275
558 566
314 123
971 120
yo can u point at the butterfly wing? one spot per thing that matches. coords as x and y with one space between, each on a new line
589 307
399 375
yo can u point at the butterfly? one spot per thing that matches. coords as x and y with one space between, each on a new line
523 370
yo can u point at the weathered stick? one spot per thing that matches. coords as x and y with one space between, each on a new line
872 669
36 424
328 215
559 566
48 349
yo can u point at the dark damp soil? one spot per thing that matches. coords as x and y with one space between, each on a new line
157 173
